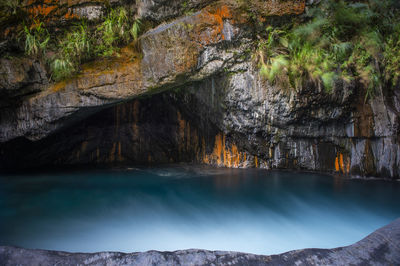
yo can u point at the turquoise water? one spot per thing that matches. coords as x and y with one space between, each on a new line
185 207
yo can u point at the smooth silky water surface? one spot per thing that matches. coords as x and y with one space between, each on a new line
182 207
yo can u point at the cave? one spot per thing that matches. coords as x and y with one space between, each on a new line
199 132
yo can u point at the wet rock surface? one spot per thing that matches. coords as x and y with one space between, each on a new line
208 96
19 77
171 57
161 10
379 248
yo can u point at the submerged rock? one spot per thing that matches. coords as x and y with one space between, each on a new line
379 248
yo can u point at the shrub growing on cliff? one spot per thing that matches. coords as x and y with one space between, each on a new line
392 57
135 29
113 31
80 44
342 41
74 48
9 7
62 68
36 38
116 30
77 44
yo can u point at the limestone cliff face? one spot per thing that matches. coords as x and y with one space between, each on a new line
195 95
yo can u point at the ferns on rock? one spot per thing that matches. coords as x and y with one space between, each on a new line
343 40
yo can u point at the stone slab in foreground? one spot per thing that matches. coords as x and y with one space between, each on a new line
379 248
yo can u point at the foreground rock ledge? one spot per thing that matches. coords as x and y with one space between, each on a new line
379 248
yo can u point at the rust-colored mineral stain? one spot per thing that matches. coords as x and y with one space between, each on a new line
112 152
136 106
58 86
117 118
340 166
337 164
188 143
235 156
218 149
98 154
341 162
195 142
223 154
84 146
181 131
135 115
224 151
119 152
203 150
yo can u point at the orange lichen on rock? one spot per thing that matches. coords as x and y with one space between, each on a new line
50 9
44 8
212 19
70 15
219 15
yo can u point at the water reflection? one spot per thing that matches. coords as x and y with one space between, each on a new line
338 182
191 207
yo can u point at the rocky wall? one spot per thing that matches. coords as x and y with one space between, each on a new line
194 94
